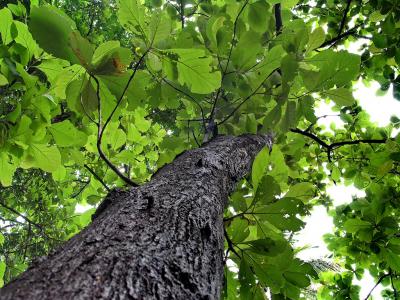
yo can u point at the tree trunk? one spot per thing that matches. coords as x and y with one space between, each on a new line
163 240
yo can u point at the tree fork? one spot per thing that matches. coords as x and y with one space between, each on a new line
162 240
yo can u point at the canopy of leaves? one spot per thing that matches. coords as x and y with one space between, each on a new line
98 94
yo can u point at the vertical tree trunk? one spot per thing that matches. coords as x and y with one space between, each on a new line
163 240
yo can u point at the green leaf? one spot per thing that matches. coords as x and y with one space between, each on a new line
243 56
264 69
194 71
283 213
160 28
65 134
110 59
315 39
2 270
341 96
267 246
5 25
289 119
82 49
52 29
7 169
3 80
135 92
238 230
335 69
131 13
45 157
354 225
297 278
25 38
258 16
303 190
214 24
258 168
393 260
267 189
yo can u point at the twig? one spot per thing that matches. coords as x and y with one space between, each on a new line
377 283
186 94
182 13
339 37
395 293
278 19
21 215
230 243
81 189
335 145
97 177
102 128
245 99
343 22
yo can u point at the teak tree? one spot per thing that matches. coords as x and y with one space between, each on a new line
195 121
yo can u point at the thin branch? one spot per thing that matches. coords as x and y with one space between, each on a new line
339 37
343 21
230 243
23 217
377 283
278 19
183 93
102 128
182 13
395 293
81 189
234 34
336 145
100 131
97 177
245 99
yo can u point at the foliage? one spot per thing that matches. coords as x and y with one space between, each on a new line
96 95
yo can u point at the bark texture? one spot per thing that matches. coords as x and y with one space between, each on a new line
163 240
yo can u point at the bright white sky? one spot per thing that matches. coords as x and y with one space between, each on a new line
380 109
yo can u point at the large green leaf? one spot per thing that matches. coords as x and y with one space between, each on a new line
45 157
195 72
65 134
5 26
7 169
52 29
60 37
132 14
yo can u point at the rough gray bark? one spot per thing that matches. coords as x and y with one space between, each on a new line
163 240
